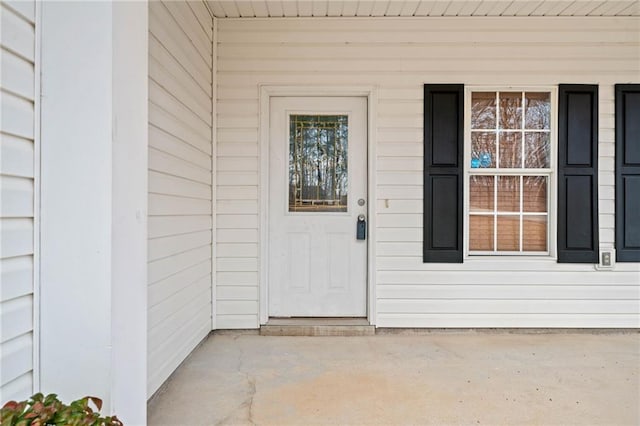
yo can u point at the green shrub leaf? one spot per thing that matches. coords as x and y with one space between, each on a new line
50 411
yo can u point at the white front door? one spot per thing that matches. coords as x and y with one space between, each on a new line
317 190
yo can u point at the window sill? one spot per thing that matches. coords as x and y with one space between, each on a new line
510 263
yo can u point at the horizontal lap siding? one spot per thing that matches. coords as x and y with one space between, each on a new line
17 197
398 56
180 178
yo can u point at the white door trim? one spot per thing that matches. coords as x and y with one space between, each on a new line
268 91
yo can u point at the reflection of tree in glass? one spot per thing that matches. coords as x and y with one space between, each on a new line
537 150
483 146
535 193
537 107
511 150
508 193
510 110
483 110
537 117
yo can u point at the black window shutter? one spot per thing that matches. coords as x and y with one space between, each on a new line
578 174
443 173
628 172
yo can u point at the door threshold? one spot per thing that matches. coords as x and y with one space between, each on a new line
299 326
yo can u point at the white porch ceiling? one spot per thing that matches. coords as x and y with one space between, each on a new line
395 8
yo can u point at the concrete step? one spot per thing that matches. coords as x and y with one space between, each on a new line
317 327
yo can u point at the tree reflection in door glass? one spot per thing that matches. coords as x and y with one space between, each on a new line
318 175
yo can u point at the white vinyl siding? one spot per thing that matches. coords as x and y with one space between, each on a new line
17 198
180 179
397 56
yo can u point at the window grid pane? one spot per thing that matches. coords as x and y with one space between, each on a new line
510 110
510 150
534 233
510 169
482 235
508 233
516 207
481 194
515 140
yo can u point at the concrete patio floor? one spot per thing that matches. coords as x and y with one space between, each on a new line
462 378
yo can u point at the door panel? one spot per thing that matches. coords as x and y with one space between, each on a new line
318 169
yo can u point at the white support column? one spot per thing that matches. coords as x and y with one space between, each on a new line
129 207
76 199
93 204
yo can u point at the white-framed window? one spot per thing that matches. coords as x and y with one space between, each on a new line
510 171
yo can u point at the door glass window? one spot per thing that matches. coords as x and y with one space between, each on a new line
318 169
